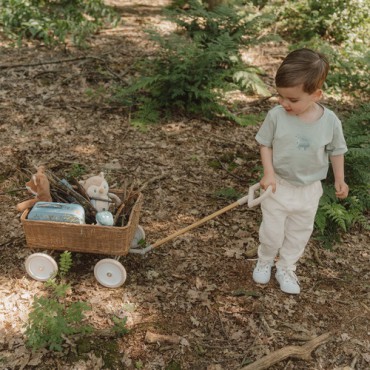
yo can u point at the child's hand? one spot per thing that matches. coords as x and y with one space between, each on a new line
341 190
268 180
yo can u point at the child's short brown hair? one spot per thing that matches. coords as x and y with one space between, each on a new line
303 67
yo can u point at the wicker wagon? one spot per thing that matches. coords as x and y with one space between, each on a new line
110 240
117 241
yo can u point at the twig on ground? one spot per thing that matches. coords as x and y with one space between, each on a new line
257 102
300 352
316 255
59 61
230 173
366 307
150 181
160 338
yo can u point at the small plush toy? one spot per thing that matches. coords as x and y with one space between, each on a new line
97 189
38 186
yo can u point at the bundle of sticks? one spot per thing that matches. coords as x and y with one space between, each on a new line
73 192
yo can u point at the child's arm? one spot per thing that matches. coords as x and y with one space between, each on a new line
341 188
268 178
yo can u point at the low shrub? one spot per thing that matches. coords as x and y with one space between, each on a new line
53 21
196 65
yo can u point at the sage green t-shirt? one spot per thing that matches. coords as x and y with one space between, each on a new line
301 150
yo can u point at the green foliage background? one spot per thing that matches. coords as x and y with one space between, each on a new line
335 216
53 21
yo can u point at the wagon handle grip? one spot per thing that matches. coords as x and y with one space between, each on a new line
252 201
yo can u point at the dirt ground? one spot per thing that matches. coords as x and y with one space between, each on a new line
198 288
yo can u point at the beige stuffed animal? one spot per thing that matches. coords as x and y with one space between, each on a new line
97 189
38 186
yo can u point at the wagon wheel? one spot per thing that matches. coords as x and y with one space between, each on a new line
41 267
110 273
139 235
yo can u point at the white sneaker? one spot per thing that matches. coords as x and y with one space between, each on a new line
288 281
262 272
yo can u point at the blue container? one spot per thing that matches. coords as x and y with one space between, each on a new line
57 212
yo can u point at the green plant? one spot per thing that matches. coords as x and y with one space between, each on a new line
349 64
251 119
338 28
139 364
193 68
335 216
76 171
334 20
120 325
242 24
228 194
55 317
53 21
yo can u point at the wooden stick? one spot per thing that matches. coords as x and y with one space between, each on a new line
160 338
300 352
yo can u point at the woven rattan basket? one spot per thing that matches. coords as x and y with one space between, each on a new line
85 238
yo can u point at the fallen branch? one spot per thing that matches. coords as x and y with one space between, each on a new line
150 181
300 352
13 191
230 173
59 61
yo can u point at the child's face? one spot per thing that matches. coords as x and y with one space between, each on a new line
295 101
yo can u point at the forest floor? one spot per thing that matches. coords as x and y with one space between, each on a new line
196 289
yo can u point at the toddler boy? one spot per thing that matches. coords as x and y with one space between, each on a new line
297 139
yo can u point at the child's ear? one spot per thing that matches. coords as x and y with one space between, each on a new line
317 95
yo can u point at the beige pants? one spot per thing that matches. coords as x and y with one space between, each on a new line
287 223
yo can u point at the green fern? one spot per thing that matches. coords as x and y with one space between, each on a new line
65 263
242 24
335 216
193 68
54 317
51 321
337 213
120 325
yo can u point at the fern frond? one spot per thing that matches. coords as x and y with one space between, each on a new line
337 213
321 220
65 263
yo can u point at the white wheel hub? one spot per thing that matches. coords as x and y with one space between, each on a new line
110 273
41 267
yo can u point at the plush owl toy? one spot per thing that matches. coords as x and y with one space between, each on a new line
97 189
